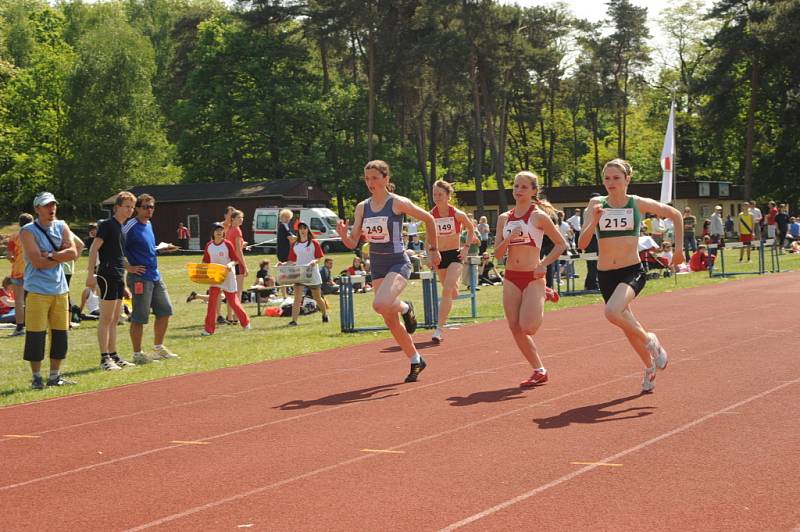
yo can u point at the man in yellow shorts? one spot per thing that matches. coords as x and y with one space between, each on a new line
47 243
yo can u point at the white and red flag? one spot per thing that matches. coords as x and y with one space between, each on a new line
668 157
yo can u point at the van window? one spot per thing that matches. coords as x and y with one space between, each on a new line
317 225
332 221
268 222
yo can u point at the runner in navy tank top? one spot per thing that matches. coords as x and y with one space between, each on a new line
449 223
520 232
379 221
619 270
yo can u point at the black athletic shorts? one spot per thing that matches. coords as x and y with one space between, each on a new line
449 257
109 287
633 276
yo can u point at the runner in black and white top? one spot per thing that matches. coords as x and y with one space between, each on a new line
107 251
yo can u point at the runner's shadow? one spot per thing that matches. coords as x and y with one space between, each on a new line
488 396
418 345
594 414
353 396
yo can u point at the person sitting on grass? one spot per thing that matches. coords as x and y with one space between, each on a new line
700 261
358 268
8 313
488 274
329 285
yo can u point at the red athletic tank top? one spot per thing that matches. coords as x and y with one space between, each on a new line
446 224
531 235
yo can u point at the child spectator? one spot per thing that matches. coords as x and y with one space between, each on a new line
700 260
7 312
305 252
221 251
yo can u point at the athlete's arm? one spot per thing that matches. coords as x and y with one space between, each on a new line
94 249
593 213
500 242
350 238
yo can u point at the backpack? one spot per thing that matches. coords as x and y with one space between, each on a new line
309 307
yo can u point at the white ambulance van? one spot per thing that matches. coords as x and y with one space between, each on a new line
320 220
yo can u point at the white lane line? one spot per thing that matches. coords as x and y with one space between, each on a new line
599 464
588 468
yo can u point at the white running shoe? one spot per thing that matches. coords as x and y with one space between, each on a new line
205 333
247 328
437 336
649 381
141 358
162 352
657 352
107 364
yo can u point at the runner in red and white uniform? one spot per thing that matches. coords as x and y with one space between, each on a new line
519 233
449 223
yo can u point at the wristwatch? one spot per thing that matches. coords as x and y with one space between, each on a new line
50 255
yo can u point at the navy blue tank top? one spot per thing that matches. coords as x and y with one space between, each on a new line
383 229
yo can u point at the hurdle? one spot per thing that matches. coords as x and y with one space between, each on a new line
433 297
347 315
571 290
761 260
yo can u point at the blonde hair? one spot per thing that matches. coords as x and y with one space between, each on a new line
285 214
534 181
622 164
444 185
124 196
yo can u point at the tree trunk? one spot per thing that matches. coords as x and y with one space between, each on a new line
755 70
432 153
624 130
477 169
596 144
419 138
371 95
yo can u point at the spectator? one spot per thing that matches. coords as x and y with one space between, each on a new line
657 229
47 243
483 231
665 257
772 223
264 276
92 232
218 250
758 219
7 312
90 304
144 281
69 268
700 260
716 227
794 229
669 229
16 255
488 272
306 251
746 230
329 286
183 236
729 226
689 226
233 234
357 268
782 220
107 251
575 222
414 243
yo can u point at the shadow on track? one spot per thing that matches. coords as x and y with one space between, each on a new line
488 396
353 396
594 414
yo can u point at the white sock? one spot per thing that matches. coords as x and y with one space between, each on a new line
415 359
541 370
403 307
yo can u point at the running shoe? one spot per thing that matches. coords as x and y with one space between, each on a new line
657 352
141 358
538 377
292 323
37 383
163 352
121 362
649 381
437 336
205 333
416 369
221 320
325 318
409 318
191 297
247 328
59 380
17 332
106 364
551 295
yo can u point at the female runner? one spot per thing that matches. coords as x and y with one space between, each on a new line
379 219
617 218
449 222
520 232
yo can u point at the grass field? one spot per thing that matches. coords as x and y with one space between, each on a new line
270 338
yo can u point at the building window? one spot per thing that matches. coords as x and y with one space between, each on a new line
703 189
724 190
706 211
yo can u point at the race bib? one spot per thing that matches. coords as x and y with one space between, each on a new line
376 229
617 220
516 225
445 226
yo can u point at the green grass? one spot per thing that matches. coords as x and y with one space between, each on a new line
270 338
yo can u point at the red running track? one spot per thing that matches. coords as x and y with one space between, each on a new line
335 441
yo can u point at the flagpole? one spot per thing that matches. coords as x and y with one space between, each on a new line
674 172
